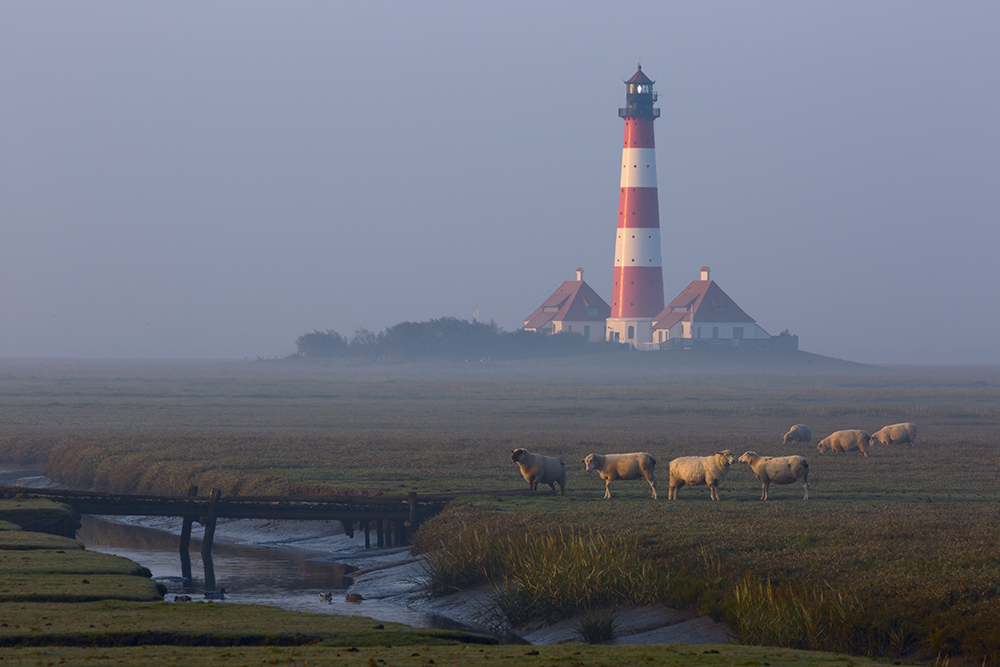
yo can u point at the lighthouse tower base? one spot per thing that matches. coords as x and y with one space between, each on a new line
636 331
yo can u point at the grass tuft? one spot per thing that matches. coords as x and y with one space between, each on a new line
598 626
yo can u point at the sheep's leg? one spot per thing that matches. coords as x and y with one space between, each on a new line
607 489
763 493
652 485
805 485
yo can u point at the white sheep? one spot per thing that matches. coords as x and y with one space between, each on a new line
896 434
798 433
698 470
537 469
778 469
622 466
841 442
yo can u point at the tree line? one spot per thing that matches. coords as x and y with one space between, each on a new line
445 338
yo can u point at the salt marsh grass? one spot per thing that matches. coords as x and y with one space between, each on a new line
542 574
905 539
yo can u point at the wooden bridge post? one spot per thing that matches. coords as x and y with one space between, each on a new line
186 538
368 537
379 537
411 498
206 545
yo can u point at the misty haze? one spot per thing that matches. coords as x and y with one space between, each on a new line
389 334
215 180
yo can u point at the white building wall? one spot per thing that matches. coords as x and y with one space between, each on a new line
704 330
642 330
596 329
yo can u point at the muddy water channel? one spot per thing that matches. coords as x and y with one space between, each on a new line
288 578
287 565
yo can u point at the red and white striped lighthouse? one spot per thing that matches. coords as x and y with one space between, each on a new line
637 295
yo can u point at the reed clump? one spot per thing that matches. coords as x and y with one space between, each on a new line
598 626
546 574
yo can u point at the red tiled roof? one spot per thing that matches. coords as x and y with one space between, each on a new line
639 77
569 303
701 301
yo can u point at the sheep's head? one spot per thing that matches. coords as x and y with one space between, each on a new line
517 454
746 456
588 463
726 455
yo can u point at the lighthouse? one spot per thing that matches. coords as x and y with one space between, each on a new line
637 293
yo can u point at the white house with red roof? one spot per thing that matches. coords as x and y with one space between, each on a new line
573 308
704 313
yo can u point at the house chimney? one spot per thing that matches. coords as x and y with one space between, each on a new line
579 274
704 273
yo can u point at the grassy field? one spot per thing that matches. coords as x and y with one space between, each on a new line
895 555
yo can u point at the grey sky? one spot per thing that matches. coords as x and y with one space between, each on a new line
191 179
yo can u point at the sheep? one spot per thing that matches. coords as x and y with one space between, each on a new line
841 442
780 470
698 470
537 469
896 434
798 433
622 466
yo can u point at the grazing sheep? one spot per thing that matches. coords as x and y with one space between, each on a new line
896 434
698 470
780 470
841 442
798 433
622 466
538 469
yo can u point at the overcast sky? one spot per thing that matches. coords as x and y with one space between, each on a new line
214 179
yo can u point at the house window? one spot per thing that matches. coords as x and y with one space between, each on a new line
586 331
569 328
698 332
737 332
616 336
715 332
591 311
631 332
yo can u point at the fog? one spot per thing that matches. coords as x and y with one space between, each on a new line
212 180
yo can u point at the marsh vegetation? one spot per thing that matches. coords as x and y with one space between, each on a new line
894 555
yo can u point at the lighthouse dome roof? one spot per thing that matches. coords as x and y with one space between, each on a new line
639 77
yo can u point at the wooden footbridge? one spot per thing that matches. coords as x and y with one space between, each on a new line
394 518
